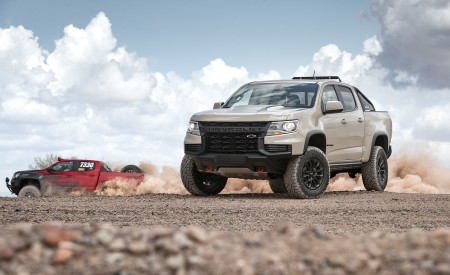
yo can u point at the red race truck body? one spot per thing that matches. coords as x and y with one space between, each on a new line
69 175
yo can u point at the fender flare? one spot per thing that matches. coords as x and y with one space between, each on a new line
312 133
35 177
386 146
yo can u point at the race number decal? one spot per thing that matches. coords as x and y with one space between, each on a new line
88 165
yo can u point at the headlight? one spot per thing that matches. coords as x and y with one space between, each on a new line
282 127
193 128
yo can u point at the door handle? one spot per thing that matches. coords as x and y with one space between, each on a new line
343 121
360 120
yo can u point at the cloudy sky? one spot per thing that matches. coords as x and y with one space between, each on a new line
118 80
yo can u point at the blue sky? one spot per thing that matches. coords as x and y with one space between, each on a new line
182 36
119 80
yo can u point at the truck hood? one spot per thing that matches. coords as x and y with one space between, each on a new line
30 172
247 113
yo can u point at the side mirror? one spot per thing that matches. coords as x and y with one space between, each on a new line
7 180
334 107
218 105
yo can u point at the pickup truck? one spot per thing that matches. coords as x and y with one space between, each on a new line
68 175
296 134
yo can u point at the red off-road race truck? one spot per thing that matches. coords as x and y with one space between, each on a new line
68 175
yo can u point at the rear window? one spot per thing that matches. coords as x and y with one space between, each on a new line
366 104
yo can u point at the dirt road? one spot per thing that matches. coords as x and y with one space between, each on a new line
341 213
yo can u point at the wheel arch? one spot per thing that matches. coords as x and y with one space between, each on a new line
31 181
317 139
380 139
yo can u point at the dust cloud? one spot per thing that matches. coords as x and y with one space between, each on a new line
408 173
168 181
165 181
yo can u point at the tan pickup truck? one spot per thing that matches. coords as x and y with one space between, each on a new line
295 133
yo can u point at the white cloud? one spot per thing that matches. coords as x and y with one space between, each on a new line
372 46
433 123
330 60
21 110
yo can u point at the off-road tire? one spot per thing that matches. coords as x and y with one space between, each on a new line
30 191
375 171
131 169
277 186
307 176
199 183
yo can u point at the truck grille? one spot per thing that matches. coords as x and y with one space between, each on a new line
232 137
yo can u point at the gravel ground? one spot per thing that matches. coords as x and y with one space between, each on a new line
340 233
341 213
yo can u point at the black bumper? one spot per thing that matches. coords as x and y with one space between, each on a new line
273 163
13 186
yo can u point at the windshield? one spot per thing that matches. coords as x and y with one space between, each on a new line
295 95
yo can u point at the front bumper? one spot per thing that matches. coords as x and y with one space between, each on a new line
254 162
13 185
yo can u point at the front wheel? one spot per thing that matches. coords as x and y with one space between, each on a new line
30 191
307 176
198 183
277 186
375 171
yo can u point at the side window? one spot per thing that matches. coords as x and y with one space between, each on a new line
65 166
366 105
347 98
329 94
86 166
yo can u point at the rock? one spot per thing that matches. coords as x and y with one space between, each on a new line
52 235
175 262
62 255
319 232
104 236
196 234
113 258
137 247
118 244
6 250
182 240
442 236
416 238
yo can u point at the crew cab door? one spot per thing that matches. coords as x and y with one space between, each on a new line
87 175
71 176
354 117
335 127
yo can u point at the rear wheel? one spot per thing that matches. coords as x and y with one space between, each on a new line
131 169
307 176
30 191
199 183
375 171
277 186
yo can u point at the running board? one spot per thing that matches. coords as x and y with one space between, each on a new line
346 166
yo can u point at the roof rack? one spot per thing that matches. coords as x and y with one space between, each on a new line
318 77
